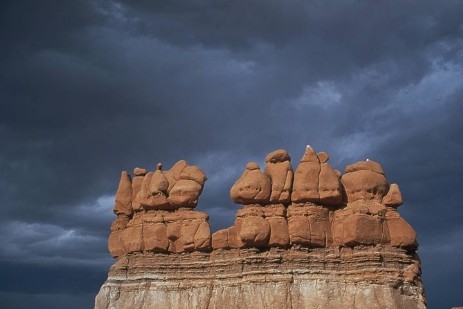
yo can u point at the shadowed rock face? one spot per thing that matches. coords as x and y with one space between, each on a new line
312 238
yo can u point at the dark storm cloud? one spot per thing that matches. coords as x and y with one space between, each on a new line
49 300
317 39
89 88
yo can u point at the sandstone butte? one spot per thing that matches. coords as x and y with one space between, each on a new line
312 237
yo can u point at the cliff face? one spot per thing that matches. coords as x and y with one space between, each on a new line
367 277
309 238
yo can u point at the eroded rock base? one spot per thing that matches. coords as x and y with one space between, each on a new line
362 277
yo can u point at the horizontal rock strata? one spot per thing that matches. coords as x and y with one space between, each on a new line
368 277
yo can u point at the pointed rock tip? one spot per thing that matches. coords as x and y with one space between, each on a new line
309 155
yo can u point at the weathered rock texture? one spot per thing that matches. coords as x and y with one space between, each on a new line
155 212
312 238
371 277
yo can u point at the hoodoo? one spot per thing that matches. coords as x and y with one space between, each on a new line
309 237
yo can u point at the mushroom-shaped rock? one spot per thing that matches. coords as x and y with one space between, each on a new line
153 193
123 201
278 168
393 198
185 193
173 175
305 185
364 181
253 186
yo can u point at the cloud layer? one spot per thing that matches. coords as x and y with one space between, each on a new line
90 88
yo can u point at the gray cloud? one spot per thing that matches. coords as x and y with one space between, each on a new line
90 88
47 300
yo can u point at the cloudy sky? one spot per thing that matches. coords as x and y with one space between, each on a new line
90 88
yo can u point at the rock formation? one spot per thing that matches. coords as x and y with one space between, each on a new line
280 172
155 212
253 187
312 238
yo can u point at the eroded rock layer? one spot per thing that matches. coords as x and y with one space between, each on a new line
367 277
309 237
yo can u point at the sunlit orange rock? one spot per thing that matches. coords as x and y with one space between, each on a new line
306 178
364 181
123 201
279 171
253 186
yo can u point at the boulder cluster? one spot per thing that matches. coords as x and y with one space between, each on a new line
155 212
314 206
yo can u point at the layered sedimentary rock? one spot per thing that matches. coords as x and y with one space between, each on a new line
326 278
312 238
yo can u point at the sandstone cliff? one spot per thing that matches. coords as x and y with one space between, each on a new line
305 238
